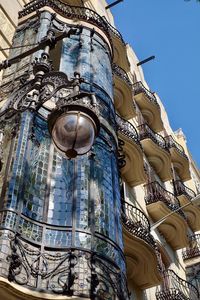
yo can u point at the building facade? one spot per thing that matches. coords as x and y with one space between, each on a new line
80 228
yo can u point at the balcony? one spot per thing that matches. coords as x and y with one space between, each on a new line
161 202
185 195
140 248
133 171
175 287
149 106
179 158
119 47
193 251
123 93
155 149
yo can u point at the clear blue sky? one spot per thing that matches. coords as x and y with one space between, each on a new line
168 29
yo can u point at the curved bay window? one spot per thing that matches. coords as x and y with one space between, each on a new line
60 219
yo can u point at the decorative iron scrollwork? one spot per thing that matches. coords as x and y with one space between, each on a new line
121 156
68 272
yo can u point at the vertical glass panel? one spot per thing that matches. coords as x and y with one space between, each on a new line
82 190
17 169
88 56
56 238
61 191
30 230
100 66
103 189
36 170
105 248
70 56
82 240
117 197
8 219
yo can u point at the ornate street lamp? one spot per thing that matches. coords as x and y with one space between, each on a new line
73 123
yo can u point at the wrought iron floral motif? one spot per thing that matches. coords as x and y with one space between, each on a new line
108 280
15 261
69 272
121 156
56 86
52 85
175 287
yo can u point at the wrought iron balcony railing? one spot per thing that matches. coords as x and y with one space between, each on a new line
182 189
138 88
114 31
121 73
127 129
73 12
171 143
194 247
146 132
155 192
175 287
137 223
